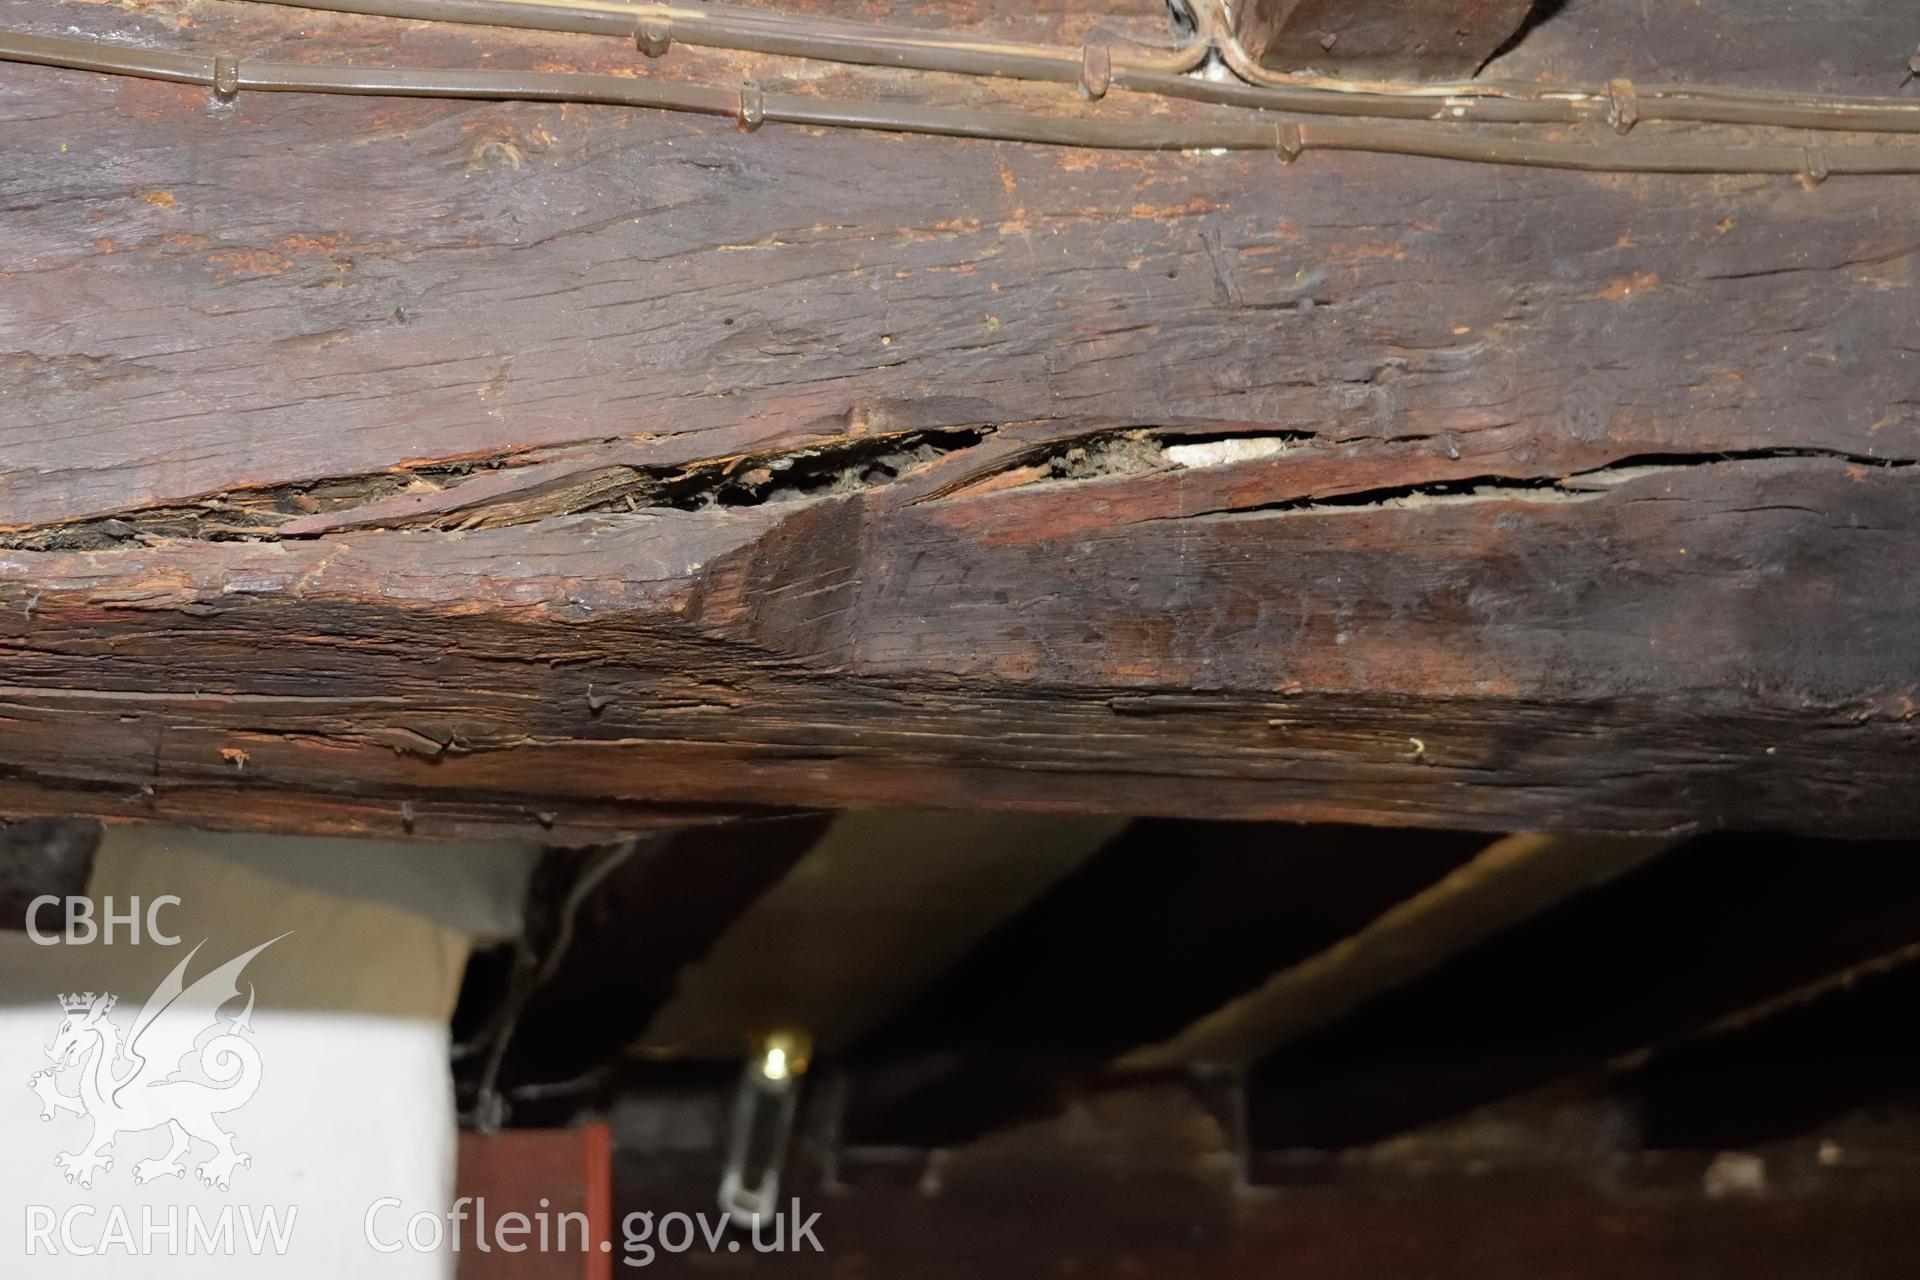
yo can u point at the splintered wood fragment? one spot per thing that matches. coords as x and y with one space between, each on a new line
1514 879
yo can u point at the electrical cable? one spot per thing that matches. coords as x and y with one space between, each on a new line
1101 63
751 106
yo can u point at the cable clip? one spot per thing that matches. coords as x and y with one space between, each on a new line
1623 106
1815 171
1287 140
226 77
753 107
653 36
1096 70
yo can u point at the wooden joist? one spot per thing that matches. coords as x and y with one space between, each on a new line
411 465
1165 924
1508 883
1708 931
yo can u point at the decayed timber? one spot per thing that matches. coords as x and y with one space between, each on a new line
379 464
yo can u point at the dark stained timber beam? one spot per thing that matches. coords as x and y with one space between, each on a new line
1378 39
412 465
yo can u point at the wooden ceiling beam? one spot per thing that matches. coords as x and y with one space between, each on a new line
405 465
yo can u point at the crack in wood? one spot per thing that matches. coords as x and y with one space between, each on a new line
514 488
505 490
1579 486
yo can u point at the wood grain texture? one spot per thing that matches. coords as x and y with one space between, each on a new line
375 464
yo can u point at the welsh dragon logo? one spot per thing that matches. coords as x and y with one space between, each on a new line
144 1081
